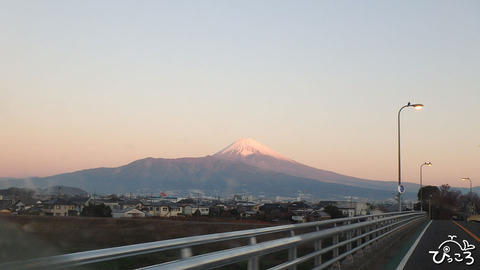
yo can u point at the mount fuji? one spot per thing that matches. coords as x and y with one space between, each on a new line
254 153
244 167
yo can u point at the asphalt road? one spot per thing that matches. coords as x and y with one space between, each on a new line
446 244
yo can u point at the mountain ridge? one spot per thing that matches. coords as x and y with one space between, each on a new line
244 167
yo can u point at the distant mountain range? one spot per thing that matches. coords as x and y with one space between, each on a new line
244 167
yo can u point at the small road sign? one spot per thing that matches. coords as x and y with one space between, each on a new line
401 188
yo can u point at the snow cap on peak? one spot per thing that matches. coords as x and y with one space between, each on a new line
245 147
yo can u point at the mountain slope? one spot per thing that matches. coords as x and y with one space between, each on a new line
254 153
213 176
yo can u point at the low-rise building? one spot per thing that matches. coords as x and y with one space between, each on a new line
162 209
248 206
308 215
348 208
317 215
7 204
114 203
351 209
190 210
248 214
242 198
23 204
59 207
127 213
132 203
163 198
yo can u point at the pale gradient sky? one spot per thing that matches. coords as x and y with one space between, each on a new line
88 84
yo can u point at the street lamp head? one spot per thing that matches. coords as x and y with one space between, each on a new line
427 163
417 106
465 178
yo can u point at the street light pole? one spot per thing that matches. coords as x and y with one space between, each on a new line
470 195
416 106
421 191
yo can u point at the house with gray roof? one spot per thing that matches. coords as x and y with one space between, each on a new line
127 213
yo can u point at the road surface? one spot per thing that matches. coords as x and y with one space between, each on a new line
445 244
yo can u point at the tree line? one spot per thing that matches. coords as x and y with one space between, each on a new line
444 203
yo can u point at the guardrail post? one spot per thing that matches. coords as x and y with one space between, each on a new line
367 236
374 234
349 244
359 232
382 231
292 252
359 253
385 228
186 252
253 263
318 246
335 241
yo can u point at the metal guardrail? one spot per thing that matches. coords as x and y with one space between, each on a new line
346 236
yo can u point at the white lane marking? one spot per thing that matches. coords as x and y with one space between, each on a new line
407 256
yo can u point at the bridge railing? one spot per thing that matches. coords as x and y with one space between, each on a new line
341 239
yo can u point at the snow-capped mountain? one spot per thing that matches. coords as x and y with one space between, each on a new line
254 153
246 148
244 167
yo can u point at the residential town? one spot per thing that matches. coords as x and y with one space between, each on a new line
240 207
